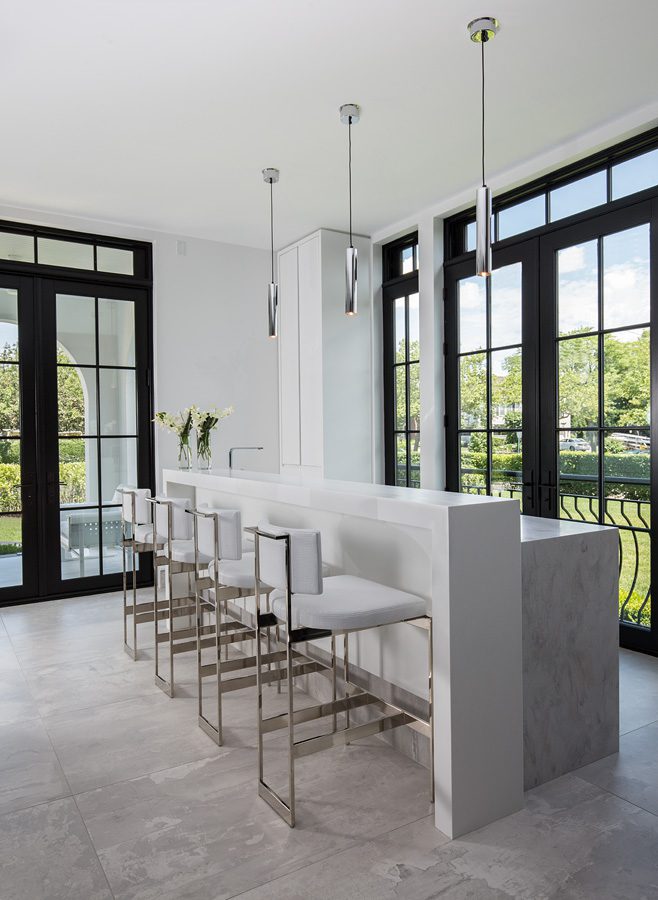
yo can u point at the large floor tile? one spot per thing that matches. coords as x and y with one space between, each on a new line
68 613
572 842
16 700
633 772
101 745
638 690
46 854
80 684
29 770
186 833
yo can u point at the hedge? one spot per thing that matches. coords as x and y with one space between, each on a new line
73 473
617 465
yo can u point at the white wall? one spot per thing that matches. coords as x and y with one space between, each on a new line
211 346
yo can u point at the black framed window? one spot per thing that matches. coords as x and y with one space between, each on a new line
401 362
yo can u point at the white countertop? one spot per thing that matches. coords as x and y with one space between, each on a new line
537 529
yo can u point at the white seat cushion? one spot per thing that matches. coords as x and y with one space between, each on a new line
143 534
349 602
183 552
239 573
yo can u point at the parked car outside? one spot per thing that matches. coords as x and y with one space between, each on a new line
575 443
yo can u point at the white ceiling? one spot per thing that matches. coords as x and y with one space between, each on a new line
161 113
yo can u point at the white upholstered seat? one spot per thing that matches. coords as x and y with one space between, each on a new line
144 534
238 573
183 552
348 602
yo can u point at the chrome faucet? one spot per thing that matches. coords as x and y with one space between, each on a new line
230 454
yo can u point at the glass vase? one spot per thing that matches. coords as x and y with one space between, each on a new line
184 454
204 453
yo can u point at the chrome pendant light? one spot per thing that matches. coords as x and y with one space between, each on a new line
271 176
350 114
482 31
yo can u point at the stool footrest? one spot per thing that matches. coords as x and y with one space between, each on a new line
354 732
311 713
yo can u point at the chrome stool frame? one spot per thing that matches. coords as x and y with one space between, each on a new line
139 612
233 626
355 697
181 639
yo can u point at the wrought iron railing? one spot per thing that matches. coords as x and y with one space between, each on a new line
631 516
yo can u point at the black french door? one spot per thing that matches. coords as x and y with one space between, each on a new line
75 425
552 386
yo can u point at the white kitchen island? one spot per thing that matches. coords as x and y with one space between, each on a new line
464 555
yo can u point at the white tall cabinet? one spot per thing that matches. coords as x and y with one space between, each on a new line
325 360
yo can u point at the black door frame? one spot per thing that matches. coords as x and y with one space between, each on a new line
539 365
39 461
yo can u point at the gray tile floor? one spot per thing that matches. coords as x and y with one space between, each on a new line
109 790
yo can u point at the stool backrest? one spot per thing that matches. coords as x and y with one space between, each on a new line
180 521
142 509
305 558
229 524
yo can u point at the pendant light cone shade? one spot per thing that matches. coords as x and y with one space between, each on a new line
351 265
271 177
350 113
481 31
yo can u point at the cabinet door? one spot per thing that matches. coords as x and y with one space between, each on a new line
289 358
310 352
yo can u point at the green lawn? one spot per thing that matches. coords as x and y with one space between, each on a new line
10 534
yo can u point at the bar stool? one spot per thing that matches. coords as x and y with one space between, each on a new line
310 608
136 537
173 549
229 576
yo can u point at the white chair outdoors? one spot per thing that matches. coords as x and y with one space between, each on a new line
310 607
230 576
173 549
136 537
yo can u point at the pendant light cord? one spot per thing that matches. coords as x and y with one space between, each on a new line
272 224
483 42
349 169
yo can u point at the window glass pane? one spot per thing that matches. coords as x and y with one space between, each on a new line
635 174
414 459
628 458
473 463
400 330
472 299
76 328
414 327
79 530
578 383
113 259
116 332
118 466
407 259
470 237
506 395
506 305
626 277
111 544
635 574
71 254
627 378
522 217
579 468
413 374
8 324
578 195
401 460
16 247
578 288
10 465
11 550
400 397
473 391
78 471
10 407
76 399
118 401
507 465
